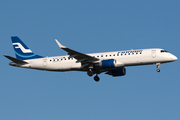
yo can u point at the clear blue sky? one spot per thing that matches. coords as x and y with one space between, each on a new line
88 27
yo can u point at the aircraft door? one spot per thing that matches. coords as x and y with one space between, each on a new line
153 53
44 62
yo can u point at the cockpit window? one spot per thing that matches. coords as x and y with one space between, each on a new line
163 51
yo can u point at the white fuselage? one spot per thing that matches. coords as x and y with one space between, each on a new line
111 63
124 58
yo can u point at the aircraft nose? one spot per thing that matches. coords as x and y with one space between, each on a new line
173 57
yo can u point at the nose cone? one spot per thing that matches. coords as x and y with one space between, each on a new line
173 57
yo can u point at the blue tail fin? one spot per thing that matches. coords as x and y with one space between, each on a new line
22 51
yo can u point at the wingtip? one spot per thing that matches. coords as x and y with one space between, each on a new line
5 56
59 44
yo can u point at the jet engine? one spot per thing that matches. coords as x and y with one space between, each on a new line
110 63
117 72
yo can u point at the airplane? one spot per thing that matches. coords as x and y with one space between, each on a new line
110 63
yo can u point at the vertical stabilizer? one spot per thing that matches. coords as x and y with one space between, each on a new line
22 51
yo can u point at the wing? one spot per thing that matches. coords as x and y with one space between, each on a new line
83 58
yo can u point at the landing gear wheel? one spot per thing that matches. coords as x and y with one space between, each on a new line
96 78
158 70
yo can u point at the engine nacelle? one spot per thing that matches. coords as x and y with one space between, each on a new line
110 63
117 72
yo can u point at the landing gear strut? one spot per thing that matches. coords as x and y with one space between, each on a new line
96 78
90 72
158 65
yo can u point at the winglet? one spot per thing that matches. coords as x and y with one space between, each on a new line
59 44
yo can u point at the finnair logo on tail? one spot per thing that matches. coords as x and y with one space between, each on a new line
22 48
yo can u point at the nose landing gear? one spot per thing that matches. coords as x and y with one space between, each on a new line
158 70
158 65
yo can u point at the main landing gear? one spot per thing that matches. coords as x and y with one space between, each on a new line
158 65
90 72
96 78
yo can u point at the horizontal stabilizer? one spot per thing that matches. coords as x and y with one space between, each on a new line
15 60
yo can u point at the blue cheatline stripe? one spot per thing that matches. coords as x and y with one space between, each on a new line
25 56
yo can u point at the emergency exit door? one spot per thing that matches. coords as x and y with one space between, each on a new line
44 62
